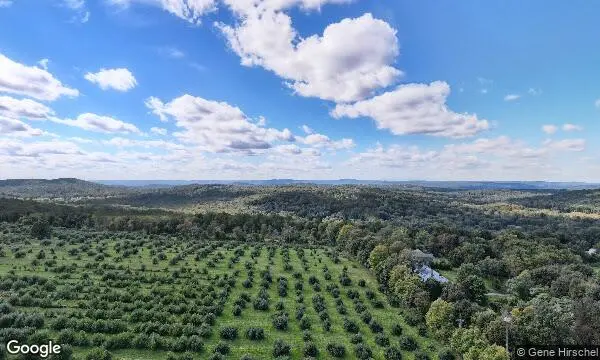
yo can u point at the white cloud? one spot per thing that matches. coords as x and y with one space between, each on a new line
293 149
30 81
572 127
243 7
493 158
120 79
84 17
485 81
44 63
307 130
171 51
14 127
81 140
323 141
22 149
158 131
534 91
216 126
74 4
550 129
98 123
5 3
123 142
415 109
189 10
23 108
512 97
351 60
567 145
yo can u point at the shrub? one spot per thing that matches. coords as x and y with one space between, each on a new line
246 357
310 349
350 326
261 304
336 350
99 354
361 283
255 334
222 348
362 351
306 336
375 327
305 323
356 339
397 330
366 317
420 355
393 353
229 333
281 348
237 310
407 343
280 321
446 354
382 340
205 331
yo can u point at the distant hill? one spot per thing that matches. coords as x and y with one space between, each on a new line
585 201
63 188
452 185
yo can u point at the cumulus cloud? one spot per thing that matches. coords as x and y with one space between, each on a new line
572 127
31 81
189 10
243 7
567 145
17 128
351 60
124 142
158 131
23 108
5 3
74 4
44 63
553 129
35 149
307 129
323 141
550 129
512 97
98 123
120 79
415 109
216 126
496 157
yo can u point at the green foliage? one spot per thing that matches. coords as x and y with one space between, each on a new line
440 319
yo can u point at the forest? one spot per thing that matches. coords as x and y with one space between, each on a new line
296 271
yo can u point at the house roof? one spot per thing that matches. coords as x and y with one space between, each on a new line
426 273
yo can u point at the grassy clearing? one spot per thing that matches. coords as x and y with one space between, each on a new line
197 280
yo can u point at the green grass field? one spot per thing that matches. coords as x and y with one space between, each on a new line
121 293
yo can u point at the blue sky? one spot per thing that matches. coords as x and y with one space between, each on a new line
308 89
